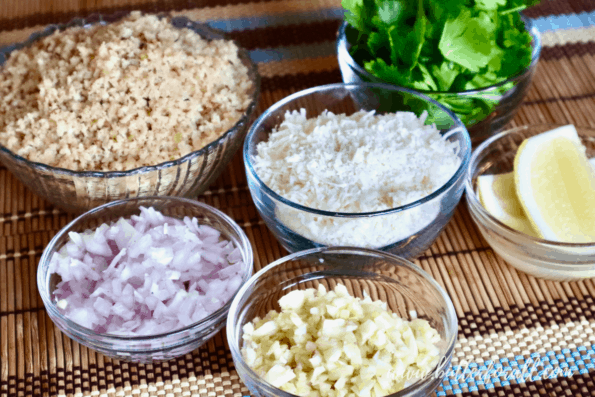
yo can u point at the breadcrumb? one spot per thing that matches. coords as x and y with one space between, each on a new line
120 96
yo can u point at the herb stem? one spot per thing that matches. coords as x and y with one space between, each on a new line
518 8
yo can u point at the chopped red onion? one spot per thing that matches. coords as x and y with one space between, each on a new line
146 275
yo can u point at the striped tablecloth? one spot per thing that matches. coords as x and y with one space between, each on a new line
523 336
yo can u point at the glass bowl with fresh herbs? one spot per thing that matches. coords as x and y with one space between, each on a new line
475 58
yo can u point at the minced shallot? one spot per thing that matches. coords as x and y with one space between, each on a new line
361 163
146 275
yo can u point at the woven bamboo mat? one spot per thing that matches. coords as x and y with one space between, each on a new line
506 318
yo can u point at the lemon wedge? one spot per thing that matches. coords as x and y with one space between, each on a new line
497 194
555 184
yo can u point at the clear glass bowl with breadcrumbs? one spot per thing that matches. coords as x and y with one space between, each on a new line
407 291
406 230
188 176
538 257
150 346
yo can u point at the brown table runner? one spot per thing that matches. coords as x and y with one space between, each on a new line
506 318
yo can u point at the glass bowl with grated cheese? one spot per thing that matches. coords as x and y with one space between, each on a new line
354 165
341 321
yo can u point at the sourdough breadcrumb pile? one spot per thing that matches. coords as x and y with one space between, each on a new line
115 97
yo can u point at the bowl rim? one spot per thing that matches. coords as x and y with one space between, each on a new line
231 326
474 203
100 19
175 335
342 47
458 127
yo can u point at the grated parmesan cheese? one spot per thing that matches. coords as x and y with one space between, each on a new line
353 164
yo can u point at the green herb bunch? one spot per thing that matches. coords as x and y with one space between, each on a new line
444 46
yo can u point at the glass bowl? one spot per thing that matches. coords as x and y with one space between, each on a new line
143 349
402 285
415 226
540 258
188 176
505 100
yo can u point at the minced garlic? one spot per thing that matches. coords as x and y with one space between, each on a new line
333 344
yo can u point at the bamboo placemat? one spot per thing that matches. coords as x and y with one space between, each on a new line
506 318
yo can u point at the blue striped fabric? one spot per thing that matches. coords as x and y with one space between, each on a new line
293 52
572 21
520 369
230 25
543 24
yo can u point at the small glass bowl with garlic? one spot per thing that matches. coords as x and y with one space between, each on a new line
341 321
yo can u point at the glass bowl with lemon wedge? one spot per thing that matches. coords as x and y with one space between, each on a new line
531 192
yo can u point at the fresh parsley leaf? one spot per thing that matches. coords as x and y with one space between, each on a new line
470 110
445 74
424 80
489 4
442 45
441 10
391 73
391 12
482 80
359 14
468 40
405 49
379 42
515 44
495 62
514 61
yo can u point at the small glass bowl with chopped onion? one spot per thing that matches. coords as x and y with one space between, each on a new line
151 287
406 227
404 288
